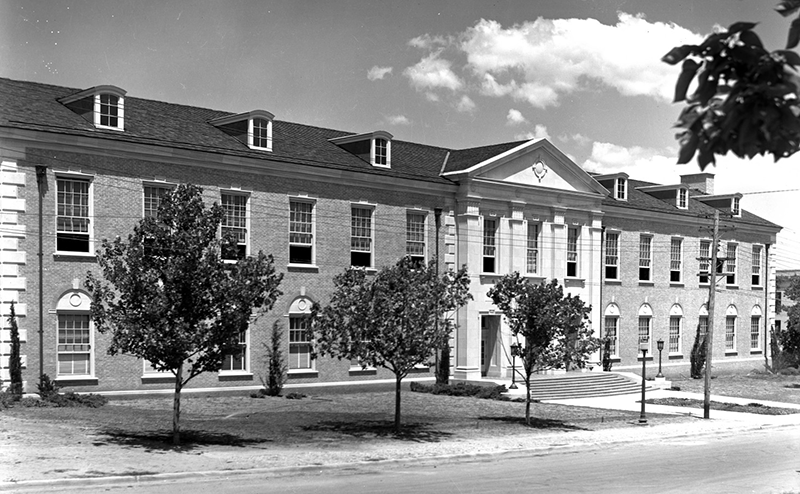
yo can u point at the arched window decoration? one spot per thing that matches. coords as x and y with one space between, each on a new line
755 328
75 341
676 329
731 315
611 325
645 326
299 346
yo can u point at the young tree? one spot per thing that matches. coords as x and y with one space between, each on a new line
14 360
167 296
746 98
550 329
275 362
789 337
389 319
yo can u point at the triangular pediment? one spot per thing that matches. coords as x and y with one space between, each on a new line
534 163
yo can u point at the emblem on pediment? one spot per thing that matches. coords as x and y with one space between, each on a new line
539 168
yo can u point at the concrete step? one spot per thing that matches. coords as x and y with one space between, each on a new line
582 386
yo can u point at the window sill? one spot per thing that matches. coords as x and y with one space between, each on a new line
77 380
166 377
74 256
366 269
302 373
646 283
759 288
235 376
490 274
647 359
676 284
755 352
534 276
302 267
359 371
676 356
613 282
731 287
731 353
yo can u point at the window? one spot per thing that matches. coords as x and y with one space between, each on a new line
730 265
73 230
755 280
153 195
675 334
644 331
705 260
755 332
730 333
381 152
532 252
299 346
415 237
74 345
778 302
572 252
262 134
234 224
611 333
675 260
645 257
612 256
489 245
621 192
109 110
735 210
361 237
703 322
683 199
237 361
301 232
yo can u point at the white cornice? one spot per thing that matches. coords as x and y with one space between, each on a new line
241 116
381 134
106 89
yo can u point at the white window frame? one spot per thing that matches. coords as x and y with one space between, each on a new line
371 238
621 189
736 208
611 257
645 314
89 352
99 115
300 310
676 265
413 240
705 262
376 155
675 341
730 264
731 322
247 198
253 140
165 186
755 324
489 250
313 244
532 264
646 258
756 275
573 251
682 199
245 370
76 177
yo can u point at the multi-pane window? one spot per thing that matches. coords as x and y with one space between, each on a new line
755 332
381 152
153 196
415 237
756 274
612 256
675 260
361 237
74 345
675 334
532 251
237 361
735 210
703 322
234 224
730 333
261 135
489 245
611 333
683 199
620 189
109 110
645 257
301 232
72 215
705 260
299 346
572 252
730 265
644 331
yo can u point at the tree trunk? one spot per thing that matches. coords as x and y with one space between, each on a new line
397 405
176 407
528 400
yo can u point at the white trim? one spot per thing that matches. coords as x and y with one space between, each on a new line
313 202
75 177
248 196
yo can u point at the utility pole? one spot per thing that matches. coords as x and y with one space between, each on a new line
712 290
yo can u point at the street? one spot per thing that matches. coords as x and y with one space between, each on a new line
760 461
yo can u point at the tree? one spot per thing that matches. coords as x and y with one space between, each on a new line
746 98
167 296
390 319
550 330
789 337
697 358
275 362
14 360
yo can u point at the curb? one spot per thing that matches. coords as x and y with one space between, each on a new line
27 485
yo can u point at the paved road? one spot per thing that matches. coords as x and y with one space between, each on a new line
760 461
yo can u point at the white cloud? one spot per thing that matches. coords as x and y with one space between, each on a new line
515 117
577 138
398 120
433 72
539 132
465 104
427 42
377 73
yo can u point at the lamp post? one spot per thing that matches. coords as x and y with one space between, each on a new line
514 353
643 347
660 345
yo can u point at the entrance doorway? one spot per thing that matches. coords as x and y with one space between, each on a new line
490 349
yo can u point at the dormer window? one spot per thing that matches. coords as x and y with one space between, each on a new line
253 128
621 189
735 210
373 147
683 199
616 184
103 106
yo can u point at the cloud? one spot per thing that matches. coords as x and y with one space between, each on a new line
398 120
638 162
377 73
577 138
433 72
465 104
514 117
539 132
428 42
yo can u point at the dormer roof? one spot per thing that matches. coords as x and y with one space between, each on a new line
253 128
103 106
373 147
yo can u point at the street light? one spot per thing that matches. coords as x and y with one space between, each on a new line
643 347
514 352
660 344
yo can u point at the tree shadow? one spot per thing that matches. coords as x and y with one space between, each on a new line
161 440
537 423
415 432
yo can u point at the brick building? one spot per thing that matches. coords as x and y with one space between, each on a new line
82 165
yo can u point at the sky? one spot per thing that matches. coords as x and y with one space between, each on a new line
586 74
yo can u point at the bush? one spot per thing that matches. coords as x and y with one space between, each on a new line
295 396
789 371
7 398
462 389
275 363
47 387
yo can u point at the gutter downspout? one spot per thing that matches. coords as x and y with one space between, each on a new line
41 183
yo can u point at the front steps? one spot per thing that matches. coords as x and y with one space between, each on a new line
585 385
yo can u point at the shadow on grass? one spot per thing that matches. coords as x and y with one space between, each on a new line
537 423
416 432
161 440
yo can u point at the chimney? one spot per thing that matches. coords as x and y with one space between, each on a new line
700 181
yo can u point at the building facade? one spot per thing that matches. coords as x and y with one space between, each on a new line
79 166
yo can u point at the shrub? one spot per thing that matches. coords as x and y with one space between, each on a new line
789 371
47 387
275 362
697 358
295 396
462 389
7 398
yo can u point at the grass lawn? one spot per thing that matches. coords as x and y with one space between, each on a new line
756 408
755 385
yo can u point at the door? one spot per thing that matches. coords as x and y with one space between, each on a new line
490 325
